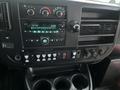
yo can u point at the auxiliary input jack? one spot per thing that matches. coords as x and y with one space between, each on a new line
17 57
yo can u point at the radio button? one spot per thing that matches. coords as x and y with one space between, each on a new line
38 60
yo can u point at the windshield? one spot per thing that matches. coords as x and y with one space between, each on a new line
108 1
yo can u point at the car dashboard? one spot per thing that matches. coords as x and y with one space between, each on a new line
56 33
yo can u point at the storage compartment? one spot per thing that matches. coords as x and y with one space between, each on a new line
91 40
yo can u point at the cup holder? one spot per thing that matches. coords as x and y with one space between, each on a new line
42 85
62 83
80 81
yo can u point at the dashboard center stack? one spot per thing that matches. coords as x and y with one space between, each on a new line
55 33
45 27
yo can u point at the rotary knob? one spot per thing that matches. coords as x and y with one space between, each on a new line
59 14
94 52
31 12
101 51
75 26
87 54
45 11
45 40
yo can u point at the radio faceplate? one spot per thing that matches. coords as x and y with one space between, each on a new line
43 33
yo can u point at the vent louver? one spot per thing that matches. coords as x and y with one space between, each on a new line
4 17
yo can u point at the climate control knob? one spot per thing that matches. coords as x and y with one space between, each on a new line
94 52
31 12
45 11
87 54
59 14
75 26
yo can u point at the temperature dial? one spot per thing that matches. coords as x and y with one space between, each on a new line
31 12
59 12
45 11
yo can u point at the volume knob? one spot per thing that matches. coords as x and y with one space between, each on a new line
30 12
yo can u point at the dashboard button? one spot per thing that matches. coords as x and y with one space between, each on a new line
27 61
54 55
43 55
74 53
38 60
54 58
26 56
38 56
49 55
43 59
49 59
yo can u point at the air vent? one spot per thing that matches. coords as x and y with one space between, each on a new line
98 26
99 21
4 17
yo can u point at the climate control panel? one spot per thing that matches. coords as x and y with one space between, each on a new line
42 11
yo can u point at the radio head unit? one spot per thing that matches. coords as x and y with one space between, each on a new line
43 33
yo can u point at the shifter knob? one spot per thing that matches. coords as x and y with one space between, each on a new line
75 26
